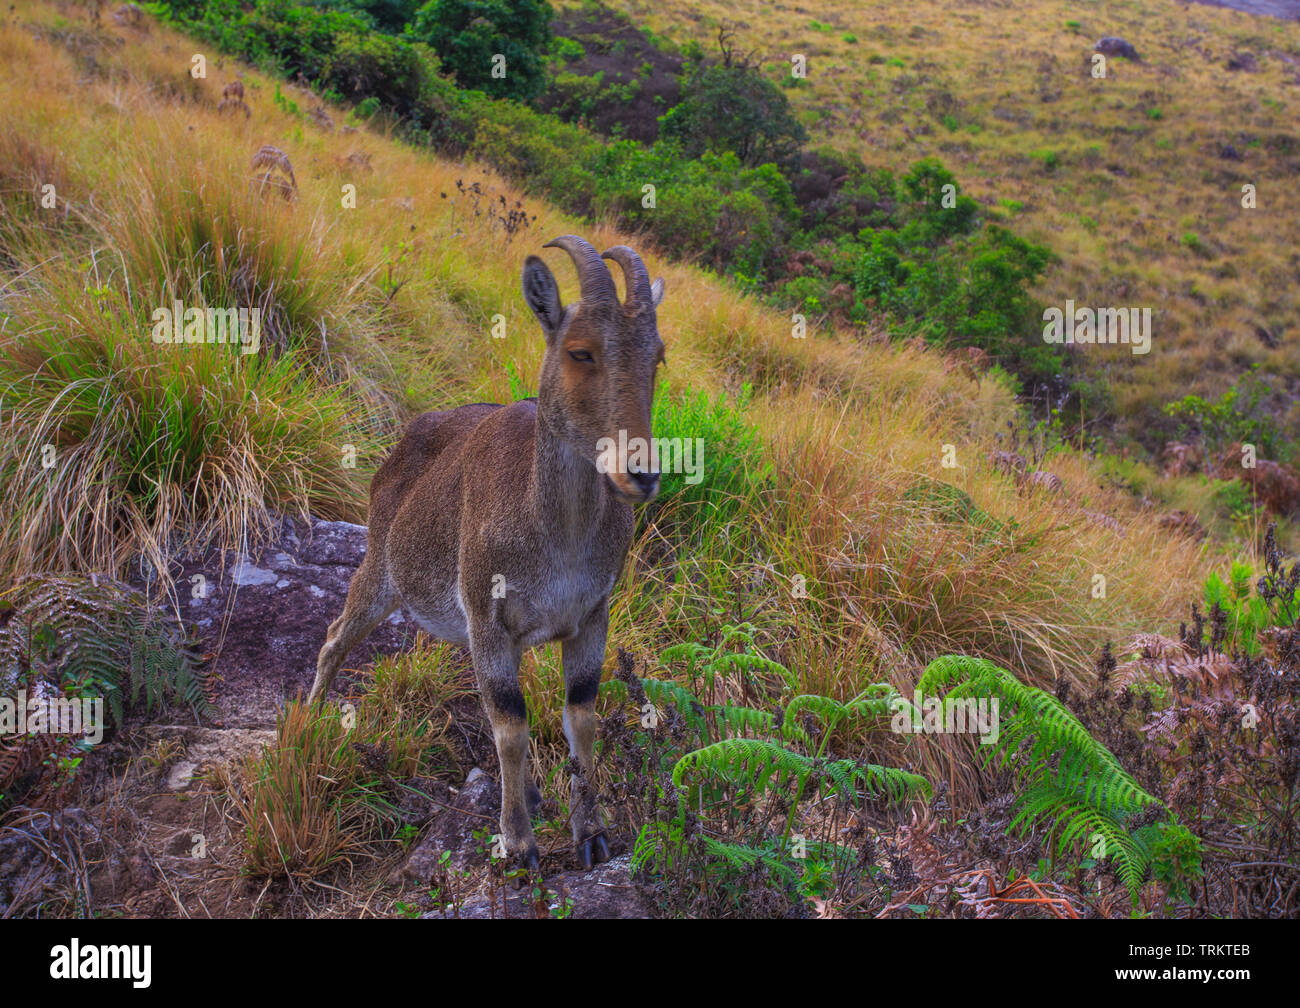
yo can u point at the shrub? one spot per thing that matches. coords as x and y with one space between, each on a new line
380 68
1067 781
468 35
733 463
950 277
711 761
737 109
1240 414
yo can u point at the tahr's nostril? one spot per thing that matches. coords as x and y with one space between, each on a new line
648 482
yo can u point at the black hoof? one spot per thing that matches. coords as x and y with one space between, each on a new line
593 851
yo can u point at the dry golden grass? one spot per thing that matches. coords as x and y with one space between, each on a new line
409 282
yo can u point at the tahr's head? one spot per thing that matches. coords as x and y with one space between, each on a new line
598 374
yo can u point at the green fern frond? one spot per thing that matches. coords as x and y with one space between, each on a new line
101 638
1066 780
741 857
752 764
878 700
662 693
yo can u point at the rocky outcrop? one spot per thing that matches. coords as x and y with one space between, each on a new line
263 616
1113 45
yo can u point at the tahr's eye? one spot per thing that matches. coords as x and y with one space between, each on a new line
581 355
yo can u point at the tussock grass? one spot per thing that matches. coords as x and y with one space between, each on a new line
323 794
115 446
311 802
406 710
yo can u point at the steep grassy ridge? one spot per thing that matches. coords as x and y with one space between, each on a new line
848 541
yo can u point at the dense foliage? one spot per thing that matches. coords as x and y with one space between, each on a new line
493 46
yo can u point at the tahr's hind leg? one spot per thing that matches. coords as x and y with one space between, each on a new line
367 605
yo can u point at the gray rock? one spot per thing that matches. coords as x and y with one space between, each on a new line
475 806
607 892
265 613
1113 45
245 574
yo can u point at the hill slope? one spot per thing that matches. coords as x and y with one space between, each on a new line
388 308
1135 180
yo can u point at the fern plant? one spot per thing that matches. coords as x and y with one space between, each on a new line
1069 782
1249 613
743 763
92 637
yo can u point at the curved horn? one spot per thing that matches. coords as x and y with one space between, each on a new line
594 281
635 276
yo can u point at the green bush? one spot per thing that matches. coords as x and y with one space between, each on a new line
1247 614
468 36
380 68
389 16
734 109
734 467
725 763
1240 414
943 273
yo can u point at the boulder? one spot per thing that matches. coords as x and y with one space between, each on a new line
263 616
477 805
1113 45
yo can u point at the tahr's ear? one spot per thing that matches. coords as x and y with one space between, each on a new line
542 295
657 292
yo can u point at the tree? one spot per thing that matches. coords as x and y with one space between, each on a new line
734 108
475 39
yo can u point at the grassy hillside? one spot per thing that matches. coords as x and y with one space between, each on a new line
851 510
386 309
1135 181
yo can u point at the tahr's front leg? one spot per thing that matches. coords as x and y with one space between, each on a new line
583 656
496 667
